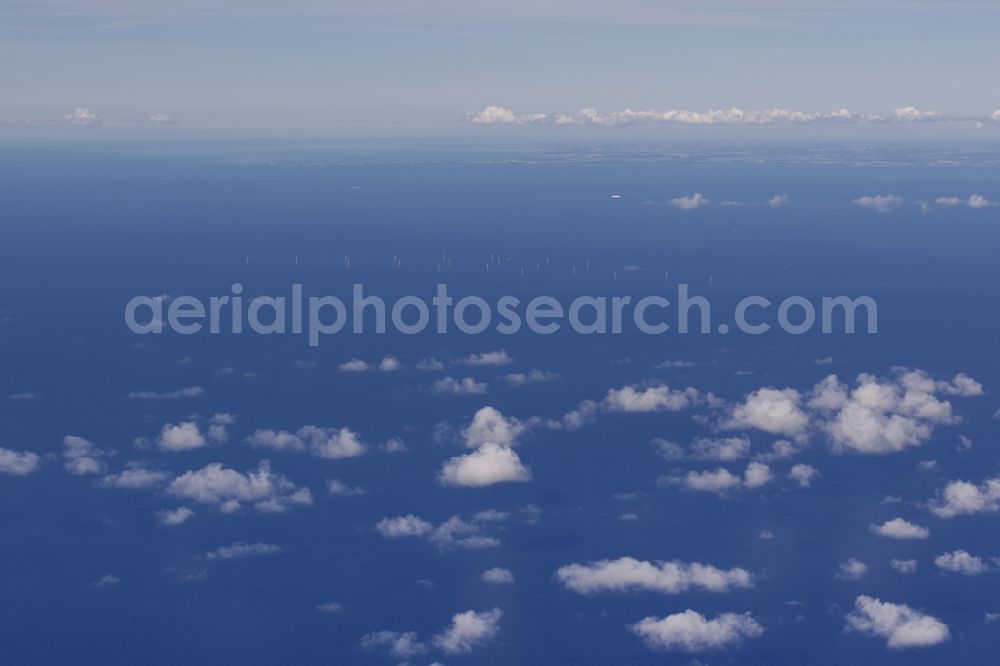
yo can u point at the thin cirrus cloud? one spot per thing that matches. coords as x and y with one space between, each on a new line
109 580
499 115
189 392
241 549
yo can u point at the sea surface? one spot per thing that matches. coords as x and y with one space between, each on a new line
84 228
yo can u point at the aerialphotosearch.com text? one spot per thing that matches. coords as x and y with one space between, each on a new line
442 313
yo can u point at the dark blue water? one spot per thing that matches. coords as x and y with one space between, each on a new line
83 229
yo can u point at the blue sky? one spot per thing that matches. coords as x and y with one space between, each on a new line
394 68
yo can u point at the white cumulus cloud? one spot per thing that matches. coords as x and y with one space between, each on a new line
81 456
965 498
175 517
691 631
973 201
355 365
756 475
961 562
631 399
627 574
229 489
468 631
399 527
494 460
690 202
490 358
852 569
724 449
661 398
389 364
903 566
338 487
489 426
18 463
775 411
181 437
400 644
900 626
487 465
498 576
530 377
81 115
499 115
979 201
721 481
333 443
463 386
454 533
803 473
881 203
897 528
885 415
